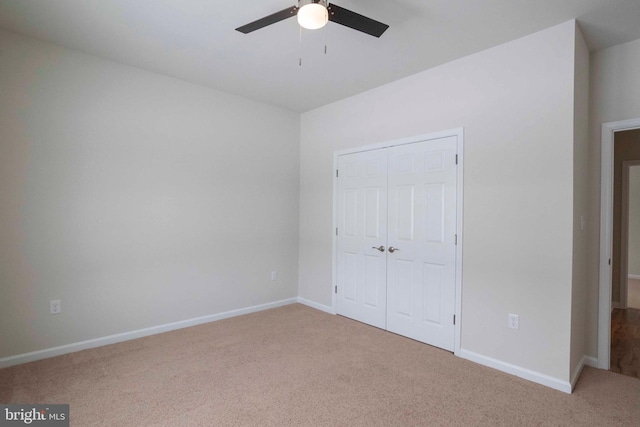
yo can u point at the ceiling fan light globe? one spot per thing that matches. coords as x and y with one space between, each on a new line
313 16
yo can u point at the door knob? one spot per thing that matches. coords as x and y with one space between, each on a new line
381 248
392 249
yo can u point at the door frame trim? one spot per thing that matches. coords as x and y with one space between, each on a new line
459 134
606 235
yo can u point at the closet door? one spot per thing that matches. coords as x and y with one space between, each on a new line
421 238
361 244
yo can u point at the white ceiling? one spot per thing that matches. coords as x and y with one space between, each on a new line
195 40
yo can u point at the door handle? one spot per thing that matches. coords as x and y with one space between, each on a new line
381 248
392 249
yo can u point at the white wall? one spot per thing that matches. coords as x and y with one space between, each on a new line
135 198
614 96
516 104
634 221
579 289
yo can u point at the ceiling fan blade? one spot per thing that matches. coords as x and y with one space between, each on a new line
268 20
350 19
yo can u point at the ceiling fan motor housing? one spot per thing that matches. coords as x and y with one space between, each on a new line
302 3
313 14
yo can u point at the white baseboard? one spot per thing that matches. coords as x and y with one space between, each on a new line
577 371
634 277
126 336
518 371
317 306
591 361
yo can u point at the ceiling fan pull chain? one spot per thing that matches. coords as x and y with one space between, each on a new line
300 58
325 39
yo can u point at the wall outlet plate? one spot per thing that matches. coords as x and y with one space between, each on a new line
54 306
514 321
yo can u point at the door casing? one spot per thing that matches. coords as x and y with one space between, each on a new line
459 134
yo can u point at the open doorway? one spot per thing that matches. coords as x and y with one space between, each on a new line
605 291
625 318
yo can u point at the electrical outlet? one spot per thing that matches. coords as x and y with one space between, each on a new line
514 321
274 275
54 306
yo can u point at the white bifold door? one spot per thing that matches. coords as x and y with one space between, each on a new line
396 244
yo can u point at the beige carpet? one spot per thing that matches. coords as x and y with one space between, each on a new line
295 366
633 293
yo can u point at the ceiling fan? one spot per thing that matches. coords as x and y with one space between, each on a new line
314 14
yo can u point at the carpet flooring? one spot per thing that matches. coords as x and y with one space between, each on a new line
296 366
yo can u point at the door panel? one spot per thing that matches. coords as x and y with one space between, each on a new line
433 284
422 215
404 209
403 289
362 225
402 197
434 194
